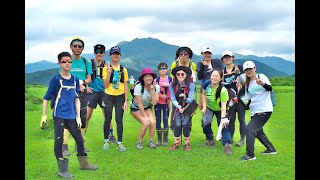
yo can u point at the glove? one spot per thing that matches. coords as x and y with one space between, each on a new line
43 121
79 124
225 121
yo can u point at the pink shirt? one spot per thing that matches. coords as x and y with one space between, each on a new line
163 81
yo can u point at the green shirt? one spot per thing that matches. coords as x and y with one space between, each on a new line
212 103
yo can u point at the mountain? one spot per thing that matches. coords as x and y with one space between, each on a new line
40 65
44 77
149 52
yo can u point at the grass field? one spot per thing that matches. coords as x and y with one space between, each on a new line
160 163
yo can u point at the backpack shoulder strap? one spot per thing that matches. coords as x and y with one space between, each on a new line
158 80
85 64
170 79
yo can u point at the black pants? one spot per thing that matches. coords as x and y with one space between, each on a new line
255 130
83 108
239 108
116 102
71 125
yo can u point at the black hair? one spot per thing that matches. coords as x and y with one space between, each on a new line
162 64
63 54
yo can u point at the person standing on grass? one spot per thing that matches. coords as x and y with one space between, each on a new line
204 70
96 88
163 106
81 68
214 99
116 83
257 90
232 82
64 87
145 95
182 93
183 58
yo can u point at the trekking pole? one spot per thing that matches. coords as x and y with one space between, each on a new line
183 105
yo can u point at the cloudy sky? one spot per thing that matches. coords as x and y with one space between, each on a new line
260 27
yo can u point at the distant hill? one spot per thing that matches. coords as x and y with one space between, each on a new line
149 52
44 77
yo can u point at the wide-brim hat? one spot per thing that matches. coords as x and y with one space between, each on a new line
184 48
186 69
147 71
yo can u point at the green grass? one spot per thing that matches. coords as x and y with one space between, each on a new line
160 163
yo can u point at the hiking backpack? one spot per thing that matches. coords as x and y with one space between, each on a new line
94 69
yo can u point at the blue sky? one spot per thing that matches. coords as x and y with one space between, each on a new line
260 27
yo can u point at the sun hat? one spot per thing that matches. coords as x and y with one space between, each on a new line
184 48
147 71
183 68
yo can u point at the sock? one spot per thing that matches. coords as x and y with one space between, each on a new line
106 140
111 131
119 142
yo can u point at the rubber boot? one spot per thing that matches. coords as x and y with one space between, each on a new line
187 144
175 146
63 169
65 151
165 137
159 133
83 162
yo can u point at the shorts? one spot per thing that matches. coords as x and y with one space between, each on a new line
95 98
132 109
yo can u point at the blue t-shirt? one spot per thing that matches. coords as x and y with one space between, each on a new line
65 108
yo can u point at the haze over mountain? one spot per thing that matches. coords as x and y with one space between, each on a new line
149 52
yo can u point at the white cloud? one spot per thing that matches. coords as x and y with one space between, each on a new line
259 28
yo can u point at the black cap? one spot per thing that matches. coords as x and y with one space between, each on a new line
99 46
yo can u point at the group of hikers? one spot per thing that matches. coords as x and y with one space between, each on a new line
227 90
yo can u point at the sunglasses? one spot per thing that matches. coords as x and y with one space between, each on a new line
183 54
65 61
75 46
162 68
181 74
98 51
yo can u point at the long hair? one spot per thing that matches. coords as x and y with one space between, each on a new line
220 83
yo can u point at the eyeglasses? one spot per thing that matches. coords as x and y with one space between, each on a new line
79 46
65 61
183 54
181 74
98 51
162 68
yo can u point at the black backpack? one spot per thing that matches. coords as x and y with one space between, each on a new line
121 71
95 67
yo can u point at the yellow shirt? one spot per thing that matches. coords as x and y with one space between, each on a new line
115 88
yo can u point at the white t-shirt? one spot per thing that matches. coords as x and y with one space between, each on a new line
260 97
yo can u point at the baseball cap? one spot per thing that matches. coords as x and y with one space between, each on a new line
115 49
99 46
226 53
248 64
207 49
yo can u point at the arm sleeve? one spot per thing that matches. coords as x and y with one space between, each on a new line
173 98
51 89
191 93
199 70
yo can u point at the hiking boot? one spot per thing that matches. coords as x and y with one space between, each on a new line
187 147
151 144
268 151
65 151
240 142
209 143
159 133
247 158
139 145
121 147
175 146
112 139
165 137
106 146
227 149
